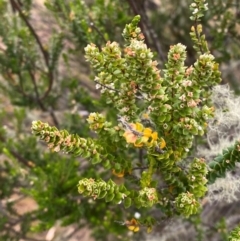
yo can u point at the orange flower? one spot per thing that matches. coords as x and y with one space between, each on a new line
130 137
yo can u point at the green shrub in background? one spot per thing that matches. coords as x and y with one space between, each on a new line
144 134
30 78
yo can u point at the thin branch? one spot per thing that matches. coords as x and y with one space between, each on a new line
109 88
140 168
31 98
17 155
39 100
36 90
17 7
44 52
54 118
140 156
96 29
74 232
21 159
24 18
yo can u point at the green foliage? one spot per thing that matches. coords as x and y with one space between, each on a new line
223 163
138 153
26 64
142 93
186 204
89 22
235 234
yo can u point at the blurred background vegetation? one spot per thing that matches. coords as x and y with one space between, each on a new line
43 75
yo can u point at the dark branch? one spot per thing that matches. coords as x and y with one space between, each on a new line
17 7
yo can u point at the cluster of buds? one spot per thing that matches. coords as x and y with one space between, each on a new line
128 78
147 197
112 77
100 189
62 140
185 111
186 204
197 177
131 31
96 121
111 192
189 126
198 7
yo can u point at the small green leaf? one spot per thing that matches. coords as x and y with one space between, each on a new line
109 197
102 194
127 202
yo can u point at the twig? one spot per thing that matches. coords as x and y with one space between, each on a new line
36 90
21 159
153 35
17 6
140 155
17 155
147 27
97 30
140 168
109 88
74 232
44 52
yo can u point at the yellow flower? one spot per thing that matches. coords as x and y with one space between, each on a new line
162 143
149 137
154 136
147 132
133 225
138 143
138 127
139 136
118 174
